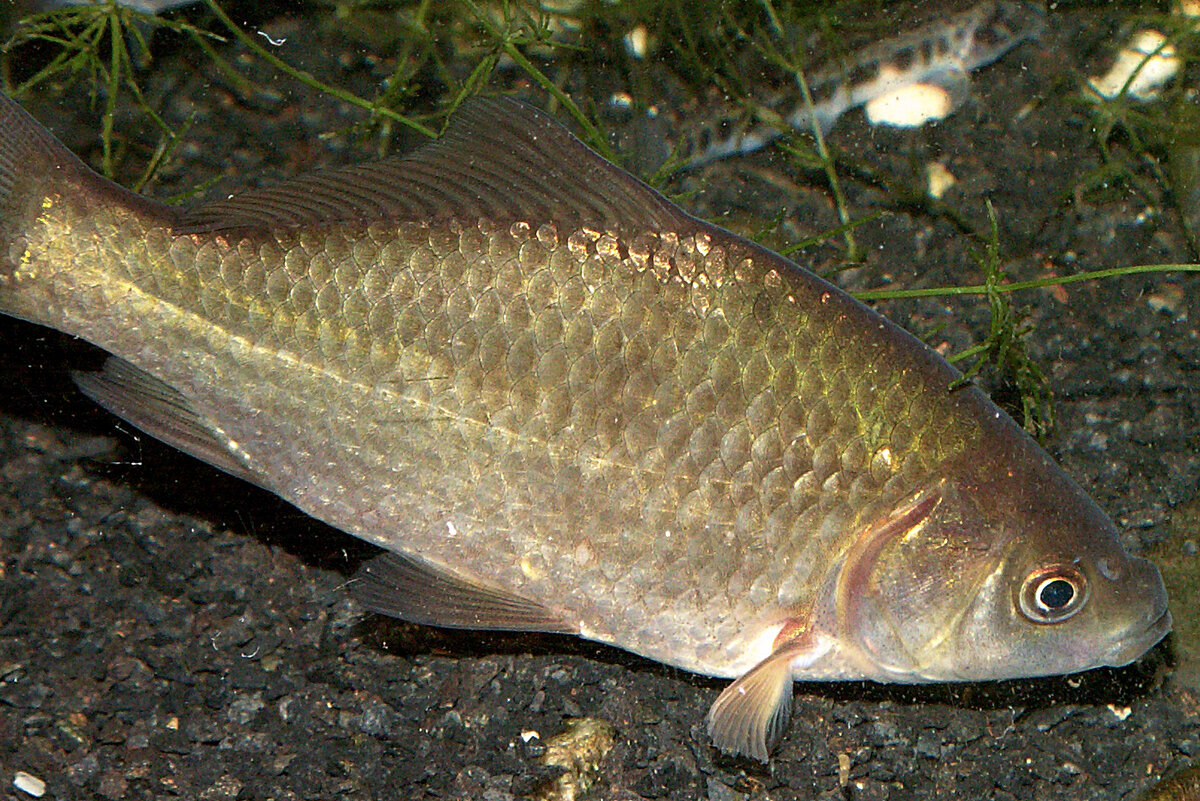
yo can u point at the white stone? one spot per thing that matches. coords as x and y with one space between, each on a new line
29 784
910 106
1145 65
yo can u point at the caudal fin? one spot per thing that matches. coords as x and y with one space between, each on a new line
30 158
45 192
34 163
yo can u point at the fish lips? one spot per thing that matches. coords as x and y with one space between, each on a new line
1130 648
1144 632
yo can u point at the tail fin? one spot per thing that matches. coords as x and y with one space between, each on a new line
32 161
44 190
29 154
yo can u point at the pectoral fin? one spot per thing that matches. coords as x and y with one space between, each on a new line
752 714
415 591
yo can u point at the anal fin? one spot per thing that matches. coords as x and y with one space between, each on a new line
415 591
159 410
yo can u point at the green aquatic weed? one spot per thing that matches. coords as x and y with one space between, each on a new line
106 45
373 105
1005 349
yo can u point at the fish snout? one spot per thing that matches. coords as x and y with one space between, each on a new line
1145 629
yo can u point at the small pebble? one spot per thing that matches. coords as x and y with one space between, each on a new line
939 179
29 784
910 106
1140 70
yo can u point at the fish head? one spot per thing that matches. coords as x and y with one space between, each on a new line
1000 578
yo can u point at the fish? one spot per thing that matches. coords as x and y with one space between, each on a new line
559 403
939 55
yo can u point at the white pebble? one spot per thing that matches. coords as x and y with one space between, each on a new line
1151 73
939 181
639 42
29 784
910 106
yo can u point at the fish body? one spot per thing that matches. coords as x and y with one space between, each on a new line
562 404
941 54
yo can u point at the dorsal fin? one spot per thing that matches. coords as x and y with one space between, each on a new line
499 159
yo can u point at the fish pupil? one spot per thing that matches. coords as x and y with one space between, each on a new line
1056 594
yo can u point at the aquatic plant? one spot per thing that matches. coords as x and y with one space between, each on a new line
104 45
1022 384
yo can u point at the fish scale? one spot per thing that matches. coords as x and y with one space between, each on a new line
564 405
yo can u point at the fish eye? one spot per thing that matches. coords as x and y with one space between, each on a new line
1053 594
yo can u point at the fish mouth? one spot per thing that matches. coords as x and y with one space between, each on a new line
1131 647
